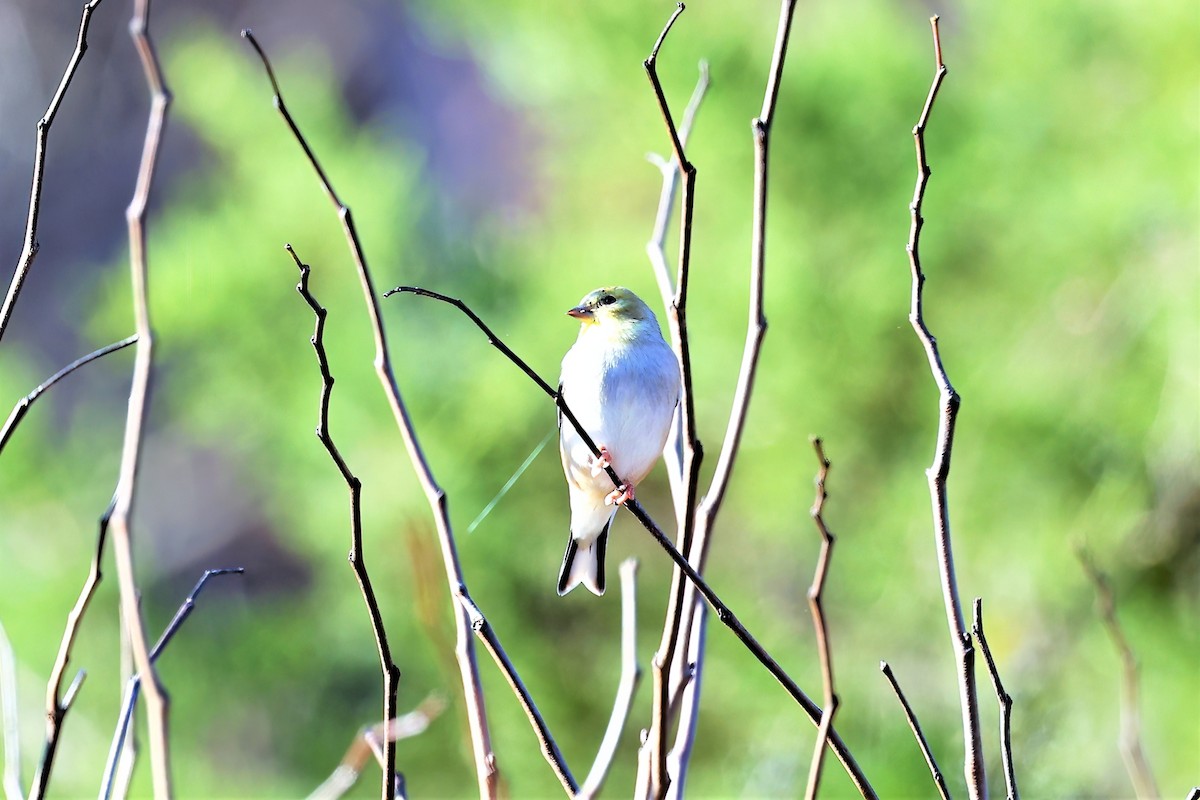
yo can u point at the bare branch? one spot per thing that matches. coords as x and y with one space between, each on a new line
23 405
1132 753
724 614
917 732
1003 698
11 721
631 676
363 747
816 606
391 673
133 686
485 760
686 443
939 471
56 708
491 643
123 499
29 250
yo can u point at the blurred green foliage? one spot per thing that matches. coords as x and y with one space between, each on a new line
1062 259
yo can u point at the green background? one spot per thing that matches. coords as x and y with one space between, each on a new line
1062 259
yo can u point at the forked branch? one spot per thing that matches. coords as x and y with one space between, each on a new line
939 471
485 759
1003 698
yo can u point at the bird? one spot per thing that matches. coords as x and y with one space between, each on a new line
621 381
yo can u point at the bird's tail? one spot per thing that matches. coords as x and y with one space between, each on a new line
584 563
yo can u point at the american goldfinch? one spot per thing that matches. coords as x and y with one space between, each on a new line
621 380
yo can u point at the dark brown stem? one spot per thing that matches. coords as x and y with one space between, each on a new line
29 249
485 760
391 673
157 702
917 732
1130 740
939 471
816 606
491 643
1003 698
23 405
631 676
724 614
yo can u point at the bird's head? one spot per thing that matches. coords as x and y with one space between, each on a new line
611 307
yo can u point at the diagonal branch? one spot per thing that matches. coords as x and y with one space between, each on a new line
485 760
1004 699
724 614
631 676
134 684
491 643
917 732
29 249
391 673
939 471
23 405
1132 753
817 607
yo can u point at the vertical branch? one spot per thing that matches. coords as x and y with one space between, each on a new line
135 214
631 676
939 471
29 249
817 607
391 673
1003 698
1130 739
917 732
485 760
11 720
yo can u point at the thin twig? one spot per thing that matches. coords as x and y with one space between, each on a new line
157 703
724 614
1130 740
29 249
631 676
133 685
485 760
756 329
817 607
11 720
57 708
917 732
391 673
361 749
939 471
491 643
1003 698
23 405
686 442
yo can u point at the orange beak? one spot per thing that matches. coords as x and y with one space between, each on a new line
579 312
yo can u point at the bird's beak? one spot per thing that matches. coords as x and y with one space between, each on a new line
579 312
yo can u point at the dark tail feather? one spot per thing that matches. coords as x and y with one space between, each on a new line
584 565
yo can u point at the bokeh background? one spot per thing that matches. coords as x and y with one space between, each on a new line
496 152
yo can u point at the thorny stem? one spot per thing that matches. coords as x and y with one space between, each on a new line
939 471
486 770
30 247
724 614
391 673
917 732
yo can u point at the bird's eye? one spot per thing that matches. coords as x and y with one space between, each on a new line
607 300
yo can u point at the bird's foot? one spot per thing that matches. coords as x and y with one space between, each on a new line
620 495
600 463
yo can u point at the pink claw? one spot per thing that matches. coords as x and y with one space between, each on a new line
619 495
600 464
